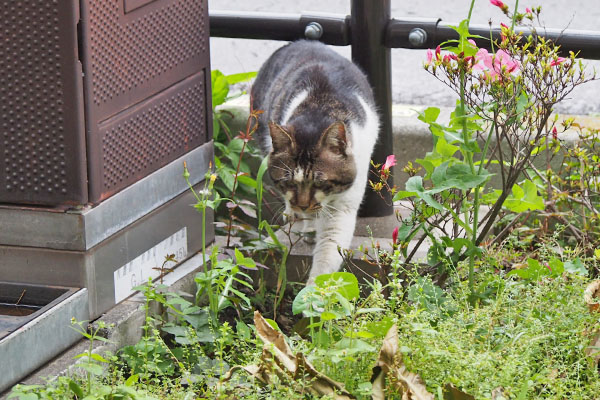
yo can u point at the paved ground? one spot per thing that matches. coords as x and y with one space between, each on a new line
411 84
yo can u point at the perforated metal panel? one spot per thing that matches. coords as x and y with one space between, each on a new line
145 138
146 84
86 110
42 149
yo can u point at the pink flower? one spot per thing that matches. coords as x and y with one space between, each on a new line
528 10
438 50
472 42
497 3
390 161
429 57
503 25
494 64
395 235
554 133
558 61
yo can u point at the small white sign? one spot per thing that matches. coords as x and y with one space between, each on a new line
147 265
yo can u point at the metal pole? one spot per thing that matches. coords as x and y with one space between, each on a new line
272 26
368 26
586 44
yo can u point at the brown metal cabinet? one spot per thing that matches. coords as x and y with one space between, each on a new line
98 94
101 101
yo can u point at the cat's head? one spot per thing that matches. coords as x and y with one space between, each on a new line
309 169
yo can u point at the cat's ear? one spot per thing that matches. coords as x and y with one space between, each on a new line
334 138
282 140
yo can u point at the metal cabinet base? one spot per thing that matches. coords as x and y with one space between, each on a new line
113 246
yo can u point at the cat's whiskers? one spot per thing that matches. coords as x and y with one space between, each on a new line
278 215
329 206
326 211
286 169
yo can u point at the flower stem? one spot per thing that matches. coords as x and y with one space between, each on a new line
469 156
470 11
514 17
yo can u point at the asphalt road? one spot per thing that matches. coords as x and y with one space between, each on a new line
410 83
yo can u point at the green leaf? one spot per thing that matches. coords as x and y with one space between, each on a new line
445 149
307 302
576 266
246 180
98 358
262 169
240 77
354 346
348 284
220 87
273 324
556 266
94 369
428 163
243 261
403 194
522 102
328 316
133 379
346 306
415 184
524 198
429 115
242 330
266 226
176 330
491 198
75 388
360 334
380 328
534 271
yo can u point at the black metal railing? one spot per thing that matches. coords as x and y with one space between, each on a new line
372 33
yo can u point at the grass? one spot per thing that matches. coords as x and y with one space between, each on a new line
527 338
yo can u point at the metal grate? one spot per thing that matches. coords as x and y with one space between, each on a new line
41 152
129 51
163 130
147 84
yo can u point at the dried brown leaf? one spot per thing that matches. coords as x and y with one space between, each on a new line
452 393
591 295
321 383
593 350
390 364
277 353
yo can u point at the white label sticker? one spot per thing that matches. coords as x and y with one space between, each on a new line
147 265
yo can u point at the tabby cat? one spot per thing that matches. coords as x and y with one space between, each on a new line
319 125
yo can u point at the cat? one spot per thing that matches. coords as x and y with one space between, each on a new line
319 126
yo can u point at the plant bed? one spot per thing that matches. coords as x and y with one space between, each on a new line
495 310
